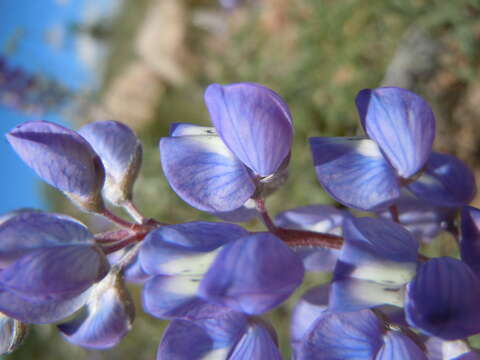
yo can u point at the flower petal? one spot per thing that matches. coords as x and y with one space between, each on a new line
252 274
204 173
174 297
360 333
377 250
454 313
186 249
10 214
447 181
244 213
311 305
186 129
55 273
318 218
106 318
350 294
399 347
211 338
439 349
40 312
121 154
422 219
354 172
32 230
62 158
470 237
256 343
134 271
254 122
317 260
401 123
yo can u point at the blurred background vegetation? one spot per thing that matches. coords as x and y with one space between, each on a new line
316 53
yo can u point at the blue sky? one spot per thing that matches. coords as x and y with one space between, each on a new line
44 45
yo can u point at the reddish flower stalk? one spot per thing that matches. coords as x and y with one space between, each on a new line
308 238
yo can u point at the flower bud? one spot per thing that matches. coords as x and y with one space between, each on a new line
63 159
121 154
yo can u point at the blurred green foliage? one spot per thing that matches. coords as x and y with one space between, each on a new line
317 54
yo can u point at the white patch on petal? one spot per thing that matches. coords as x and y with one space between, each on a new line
213 144
217 354
453 349
368 148
321 226
374 293
192 265
182 285
193 130
428 180
249 204
386 272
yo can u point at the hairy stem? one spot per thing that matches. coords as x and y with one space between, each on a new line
121 222
262 210
133 211
111 248
308 238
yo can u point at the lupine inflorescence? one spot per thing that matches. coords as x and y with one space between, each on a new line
215 280
29 92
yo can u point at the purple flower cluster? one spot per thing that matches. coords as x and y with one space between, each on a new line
27 92
215 280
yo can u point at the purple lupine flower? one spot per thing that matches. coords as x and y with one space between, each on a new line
367 174
377 260
63 159
194 272
218 170
177 257
29 92
442 300
49 263
230 336
105 319
316 218
356 335
121 154
231 4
